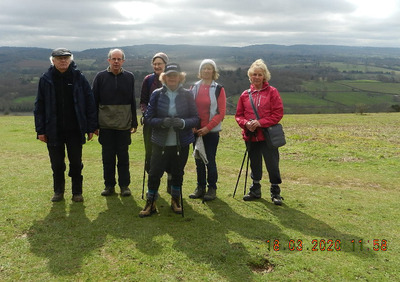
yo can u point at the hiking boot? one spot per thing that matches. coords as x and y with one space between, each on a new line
254 194
108 191
250 197
125 192
276 197
148 209
77 198
57 197
199 192
210 195
176 205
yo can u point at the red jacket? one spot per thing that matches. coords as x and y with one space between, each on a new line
269 106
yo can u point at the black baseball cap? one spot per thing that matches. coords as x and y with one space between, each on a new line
172 67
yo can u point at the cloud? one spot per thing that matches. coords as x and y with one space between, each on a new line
86 24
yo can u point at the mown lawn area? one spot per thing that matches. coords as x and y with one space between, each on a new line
339 220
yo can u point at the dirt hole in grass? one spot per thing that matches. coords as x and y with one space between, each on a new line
263 266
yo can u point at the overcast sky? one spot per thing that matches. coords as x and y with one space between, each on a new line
84 24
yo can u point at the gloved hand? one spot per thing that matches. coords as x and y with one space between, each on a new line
178 123
167 122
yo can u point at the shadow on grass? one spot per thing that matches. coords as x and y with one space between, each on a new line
216 242
320 231
227 242
220 242
63 239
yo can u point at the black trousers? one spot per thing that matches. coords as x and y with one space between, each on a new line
167 158
259 150
73 143
147 146
115 145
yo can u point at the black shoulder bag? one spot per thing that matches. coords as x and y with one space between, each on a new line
274 135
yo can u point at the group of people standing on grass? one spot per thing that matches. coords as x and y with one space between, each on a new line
67 109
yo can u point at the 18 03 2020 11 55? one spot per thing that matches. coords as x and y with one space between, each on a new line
328 245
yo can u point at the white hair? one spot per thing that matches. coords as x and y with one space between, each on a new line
52 58
114 50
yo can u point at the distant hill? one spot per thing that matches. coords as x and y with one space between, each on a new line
297 70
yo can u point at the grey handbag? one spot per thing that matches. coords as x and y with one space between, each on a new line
274 135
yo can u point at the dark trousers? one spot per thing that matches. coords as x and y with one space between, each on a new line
73 143
258 150
208 173
147 146
115 145
163 158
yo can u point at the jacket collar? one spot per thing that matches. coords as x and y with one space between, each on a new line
120 71
265 86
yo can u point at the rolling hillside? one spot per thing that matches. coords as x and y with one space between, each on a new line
311 79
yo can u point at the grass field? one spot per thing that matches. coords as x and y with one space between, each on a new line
342 97
348 67
340 184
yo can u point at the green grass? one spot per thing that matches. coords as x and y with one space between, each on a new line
29 99
341 97
373 86
340 182
357 67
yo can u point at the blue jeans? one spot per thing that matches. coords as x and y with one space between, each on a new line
208 173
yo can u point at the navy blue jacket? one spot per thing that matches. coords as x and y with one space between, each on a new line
158 108
45 105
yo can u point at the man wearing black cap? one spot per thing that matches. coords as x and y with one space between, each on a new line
64 112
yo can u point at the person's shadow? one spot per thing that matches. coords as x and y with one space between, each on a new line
63 239
230 240
319 231
216 242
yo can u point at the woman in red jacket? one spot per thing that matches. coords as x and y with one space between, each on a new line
268 104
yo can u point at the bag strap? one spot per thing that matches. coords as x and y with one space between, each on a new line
150 81
252 104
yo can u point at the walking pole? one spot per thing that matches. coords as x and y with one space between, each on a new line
178 153
245 180
183 215
240 173
144 177
144 167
